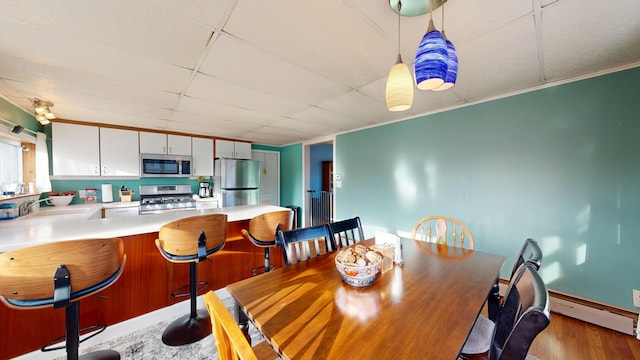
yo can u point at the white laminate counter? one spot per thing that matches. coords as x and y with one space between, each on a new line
19 233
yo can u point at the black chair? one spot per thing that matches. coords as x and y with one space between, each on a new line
58 275
191 240
531 253
304 243
524 314
344 232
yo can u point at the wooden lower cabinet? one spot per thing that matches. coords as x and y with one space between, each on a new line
145 285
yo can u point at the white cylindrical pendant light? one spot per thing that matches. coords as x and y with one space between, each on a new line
399 91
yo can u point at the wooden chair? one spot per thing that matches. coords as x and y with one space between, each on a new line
344 232
58 275
230 341
191 240
262 233
524 314
460 235
305 243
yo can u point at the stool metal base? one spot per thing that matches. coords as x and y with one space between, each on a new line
186 329
101 355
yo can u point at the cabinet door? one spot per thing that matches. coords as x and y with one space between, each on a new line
242 150
179 145
153 143
225 149
202 156
119 154
269 176
75 149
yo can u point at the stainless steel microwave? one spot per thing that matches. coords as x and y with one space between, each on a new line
159 165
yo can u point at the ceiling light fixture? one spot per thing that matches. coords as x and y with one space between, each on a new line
42 111
399 90
430 67
452 62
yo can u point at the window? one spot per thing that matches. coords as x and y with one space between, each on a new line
10 163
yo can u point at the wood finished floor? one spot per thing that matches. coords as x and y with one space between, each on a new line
568 338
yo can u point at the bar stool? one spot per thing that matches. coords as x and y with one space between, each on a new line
60 274
191 240
262 233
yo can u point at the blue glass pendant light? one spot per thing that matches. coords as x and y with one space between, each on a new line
452 62
430 66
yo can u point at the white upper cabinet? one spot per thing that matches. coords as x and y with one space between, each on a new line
159 143
75 149
233 149
179 145
119 155
202 156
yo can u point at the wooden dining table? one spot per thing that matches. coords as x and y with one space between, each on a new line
423 309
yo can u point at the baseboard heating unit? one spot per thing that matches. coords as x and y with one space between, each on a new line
607 316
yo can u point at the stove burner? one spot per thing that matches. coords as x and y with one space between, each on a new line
153 201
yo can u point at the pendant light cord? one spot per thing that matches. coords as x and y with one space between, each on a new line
399 9
443 15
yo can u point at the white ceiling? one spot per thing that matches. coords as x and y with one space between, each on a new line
280 72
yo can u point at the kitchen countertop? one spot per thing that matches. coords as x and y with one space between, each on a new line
23 232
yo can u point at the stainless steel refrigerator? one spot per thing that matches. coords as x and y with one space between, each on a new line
238 181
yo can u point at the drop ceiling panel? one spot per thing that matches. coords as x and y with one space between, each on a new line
163 35
602 35
215 90
223 112
40 79
319 129
236 61
210 13
310 37
106 117
331 119
356 105
63 51
501 61
269 139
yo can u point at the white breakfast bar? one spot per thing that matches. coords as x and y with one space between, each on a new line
148 279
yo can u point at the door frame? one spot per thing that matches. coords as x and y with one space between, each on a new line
306 173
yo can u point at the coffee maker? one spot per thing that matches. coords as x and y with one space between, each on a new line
205 189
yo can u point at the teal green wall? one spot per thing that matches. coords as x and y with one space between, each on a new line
559 165
291 175
15 115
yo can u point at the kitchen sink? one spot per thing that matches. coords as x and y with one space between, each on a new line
81 212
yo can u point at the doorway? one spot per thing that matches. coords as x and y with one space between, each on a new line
318 192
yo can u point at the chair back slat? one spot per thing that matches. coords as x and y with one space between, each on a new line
448 231
304 243
346 232
230 342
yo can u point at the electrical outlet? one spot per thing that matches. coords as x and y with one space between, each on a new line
636 298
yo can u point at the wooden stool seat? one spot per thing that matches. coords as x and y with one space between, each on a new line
58 275
262 233
191 240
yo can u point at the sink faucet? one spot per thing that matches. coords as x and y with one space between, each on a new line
27 206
